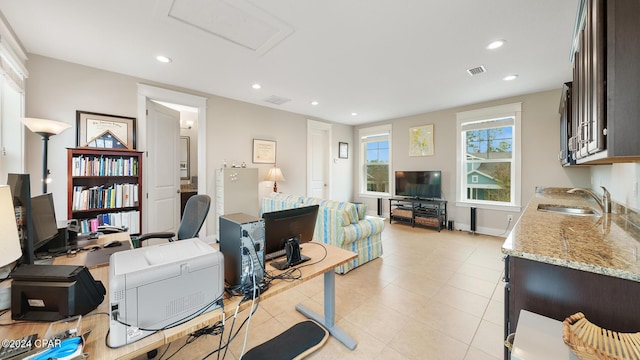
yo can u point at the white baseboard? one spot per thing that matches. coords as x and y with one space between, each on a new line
483 230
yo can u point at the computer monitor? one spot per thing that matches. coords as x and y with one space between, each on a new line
43 215
283 225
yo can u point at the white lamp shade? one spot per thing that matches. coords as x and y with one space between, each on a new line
10 250
275 174
39 126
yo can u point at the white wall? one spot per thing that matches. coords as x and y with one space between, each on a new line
540 165
621 180
56 89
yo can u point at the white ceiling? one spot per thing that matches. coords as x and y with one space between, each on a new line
379 58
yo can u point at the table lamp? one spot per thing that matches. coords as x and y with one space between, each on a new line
45 128
10 249
275 175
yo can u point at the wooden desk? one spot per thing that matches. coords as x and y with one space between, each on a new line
98 319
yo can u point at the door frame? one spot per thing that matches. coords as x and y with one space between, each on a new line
326 127
160 94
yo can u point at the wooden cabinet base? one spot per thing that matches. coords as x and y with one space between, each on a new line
558 292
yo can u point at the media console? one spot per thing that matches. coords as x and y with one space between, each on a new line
424 212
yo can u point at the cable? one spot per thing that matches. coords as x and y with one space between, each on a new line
507 229
232 335
199 312
324 256
246 330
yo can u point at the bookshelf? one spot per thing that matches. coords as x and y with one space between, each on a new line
104 187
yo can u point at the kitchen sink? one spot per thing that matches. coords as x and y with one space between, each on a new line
567 210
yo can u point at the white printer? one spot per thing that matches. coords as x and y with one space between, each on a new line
161 286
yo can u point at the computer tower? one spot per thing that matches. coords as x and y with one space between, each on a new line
242 244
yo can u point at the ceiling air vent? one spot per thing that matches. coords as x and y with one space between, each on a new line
476 70
277 100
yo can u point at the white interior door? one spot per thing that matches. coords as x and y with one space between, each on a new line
318 155
163 169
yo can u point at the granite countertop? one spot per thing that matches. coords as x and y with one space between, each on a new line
608 244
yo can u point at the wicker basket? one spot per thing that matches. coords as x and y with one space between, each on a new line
591 342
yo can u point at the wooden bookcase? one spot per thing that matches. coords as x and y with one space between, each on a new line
105 186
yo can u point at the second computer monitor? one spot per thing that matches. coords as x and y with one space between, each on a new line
44 220
282 225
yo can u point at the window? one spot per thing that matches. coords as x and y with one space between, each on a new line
489 157
12 93
375 160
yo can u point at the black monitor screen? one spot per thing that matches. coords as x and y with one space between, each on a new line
279 226
43 215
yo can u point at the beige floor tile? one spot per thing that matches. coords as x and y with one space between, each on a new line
432 295
498 293
399 299
389 354
368 347
418 341
473 284
462 300
419 285
480 272
378 320
455 323
489 339
282 302
475 354
495 312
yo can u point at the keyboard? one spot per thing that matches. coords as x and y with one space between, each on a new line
15 347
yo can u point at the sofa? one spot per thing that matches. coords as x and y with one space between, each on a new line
341 224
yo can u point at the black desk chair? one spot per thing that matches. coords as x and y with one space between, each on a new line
195 212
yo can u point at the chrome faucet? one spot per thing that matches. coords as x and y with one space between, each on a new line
605 202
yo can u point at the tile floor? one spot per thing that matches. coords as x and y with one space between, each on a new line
431 296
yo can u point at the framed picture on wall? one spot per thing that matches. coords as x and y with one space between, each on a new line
264 151
105 131
421 140
343 150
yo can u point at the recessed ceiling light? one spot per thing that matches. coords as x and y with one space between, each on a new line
314 103
495 44
354 114
509 77
256 86
163 59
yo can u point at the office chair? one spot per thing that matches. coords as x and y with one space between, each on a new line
195 212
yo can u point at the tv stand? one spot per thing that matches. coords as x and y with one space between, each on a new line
416 211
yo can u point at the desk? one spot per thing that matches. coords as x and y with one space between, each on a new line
98 319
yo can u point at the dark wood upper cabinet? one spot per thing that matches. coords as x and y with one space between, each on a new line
605 116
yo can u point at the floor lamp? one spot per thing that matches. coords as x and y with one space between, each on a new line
46 129
275 174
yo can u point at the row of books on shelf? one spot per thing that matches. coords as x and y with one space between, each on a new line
128 219
103 197
104 166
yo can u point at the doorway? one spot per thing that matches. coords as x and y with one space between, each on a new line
156 94
318 159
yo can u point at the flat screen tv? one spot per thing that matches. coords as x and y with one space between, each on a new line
419 184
